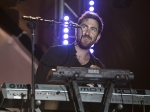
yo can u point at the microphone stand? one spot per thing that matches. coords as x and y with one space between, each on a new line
31 25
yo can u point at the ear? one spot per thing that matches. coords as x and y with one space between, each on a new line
98 37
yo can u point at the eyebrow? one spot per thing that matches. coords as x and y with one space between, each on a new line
94 28
83 24
87 25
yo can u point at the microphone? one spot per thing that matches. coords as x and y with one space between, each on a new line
74 25
30 18
118 108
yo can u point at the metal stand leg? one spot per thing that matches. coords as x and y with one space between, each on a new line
75 96
107 97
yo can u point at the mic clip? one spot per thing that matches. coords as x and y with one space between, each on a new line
74 25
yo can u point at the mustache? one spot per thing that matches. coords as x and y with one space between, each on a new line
86 36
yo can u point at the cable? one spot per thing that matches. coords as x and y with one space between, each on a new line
64 92
22 100
131 93
55 37
21 105
64 76
143 105
121 97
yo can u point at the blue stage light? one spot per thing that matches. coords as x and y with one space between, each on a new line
66 36
66 30
66 18
92 50
92 45
65 42
91 2
91 8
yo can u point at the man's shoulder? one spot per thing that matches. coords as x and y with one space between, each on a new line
59 49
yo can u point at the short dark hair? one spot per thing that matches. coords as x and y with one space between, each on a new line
94 16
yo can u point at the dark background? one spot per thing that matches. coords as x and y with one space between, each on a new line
124 42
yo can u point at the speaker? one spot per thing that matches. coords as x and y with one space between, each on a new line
122 3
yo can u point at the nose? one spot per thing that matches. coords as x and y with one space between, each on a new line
87 32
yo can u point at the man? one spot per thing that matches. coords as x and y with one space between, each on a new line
77 54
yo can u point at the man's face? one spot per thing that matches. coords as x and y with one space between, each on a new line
89 33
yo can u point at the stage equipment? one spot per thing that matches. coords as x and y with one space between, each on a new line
13 94
90 75
74 75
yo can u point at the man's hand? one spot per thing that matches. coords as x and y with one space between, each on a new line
49 75
94 66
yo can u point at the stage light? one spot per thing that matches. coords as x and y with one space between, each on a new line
66 30
91 9
65 42
66 18
66 36
92 45
66 24
92 50
91 2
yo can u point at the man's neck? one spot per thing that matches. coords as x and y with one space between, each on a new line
82 55
80 51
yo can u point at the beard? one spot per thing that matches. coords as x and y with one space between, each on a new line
85 45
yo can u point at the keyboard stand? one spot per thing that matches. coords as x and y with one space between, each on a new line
108 93
107 96
73 91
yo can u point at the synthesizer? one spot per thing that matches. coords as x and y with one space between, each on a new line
89 75
11 94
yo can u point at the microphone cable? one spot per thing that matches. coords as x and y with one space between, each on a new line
64 92
143 105
55 37
22 101
131 93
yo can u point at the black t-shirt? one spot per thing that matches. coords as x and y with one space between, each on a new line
63 55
